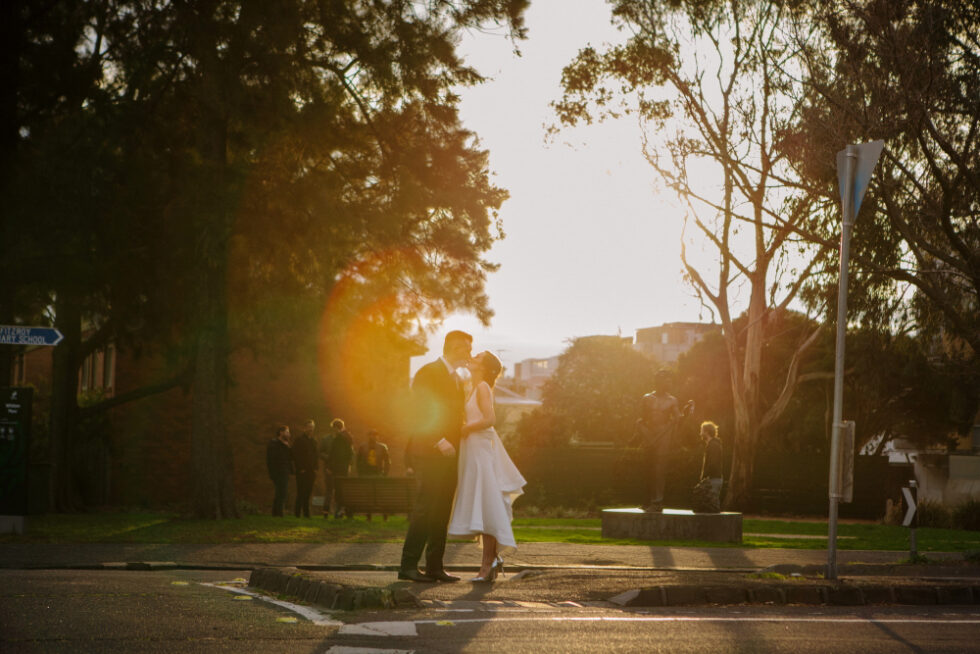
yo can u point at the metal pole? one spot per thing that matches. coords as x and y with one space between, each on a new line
845 246
913 546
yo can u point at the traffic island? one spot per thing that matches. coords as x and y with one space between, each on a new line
291 582
672 524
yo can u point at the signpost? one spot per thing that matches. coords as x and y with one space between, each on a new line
854 167
15 440
911 517
20 335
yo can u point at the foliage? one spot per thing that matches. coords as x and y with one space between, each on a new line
967 515
243 160
593 396
933 514
908 72
706 80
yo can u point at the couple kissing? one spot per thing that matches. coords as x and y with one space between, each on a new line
467 483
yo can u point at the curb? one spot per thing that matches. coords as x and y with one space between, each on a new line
839 595
338 597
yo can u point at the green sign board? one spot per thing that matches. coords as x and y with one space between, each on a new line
15 438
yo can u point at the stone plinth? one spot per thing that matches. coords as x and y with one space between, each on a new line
672 524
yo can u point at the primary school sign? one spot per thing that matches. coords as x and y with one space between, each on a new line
17 335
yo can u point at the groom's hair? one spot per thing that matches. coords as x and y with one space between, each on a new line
455 336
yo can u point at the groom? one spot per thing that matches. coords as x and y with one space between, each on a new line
438 402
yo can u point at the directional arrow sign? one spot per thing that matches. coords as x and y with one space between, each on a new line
867 157
17 335
907 492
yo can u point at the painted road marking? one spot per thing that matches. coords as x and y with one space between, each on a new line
342 649
408 628
380 629
306 612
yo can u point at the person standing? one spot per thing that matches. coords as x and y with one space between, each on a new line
279 461
488 481
325 445
337 465
661 416
373 459
305 462
711 466
437 398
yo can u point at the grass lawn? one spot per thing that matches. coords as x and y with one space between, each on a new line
171 528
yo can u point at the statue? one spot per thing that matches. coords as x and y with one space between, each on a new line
661 416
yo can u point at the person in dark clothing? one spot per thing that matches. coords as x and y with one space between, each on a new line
279 461
305 460
438 400
325 445
336 465
373 459
708 490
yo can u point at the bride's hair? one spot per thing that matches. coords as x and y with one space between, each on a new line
491 367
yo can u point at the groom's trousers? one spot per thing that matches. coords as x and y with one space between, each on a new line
430 516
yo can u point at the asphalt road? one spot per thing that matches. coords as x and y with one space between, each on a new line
53 611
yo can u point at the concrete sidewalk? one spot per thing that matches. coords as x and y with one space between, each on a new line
363 575
459 556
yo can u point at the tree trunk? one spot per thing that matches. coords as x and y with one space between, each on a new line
64 402
211 455
746 399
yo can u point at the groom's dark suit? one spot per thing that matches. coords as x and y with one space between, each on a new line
437 398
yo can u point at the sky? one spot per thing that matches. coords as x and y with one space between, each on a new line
592 243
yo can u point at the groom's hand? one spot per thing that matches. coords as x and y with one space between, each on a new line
446 447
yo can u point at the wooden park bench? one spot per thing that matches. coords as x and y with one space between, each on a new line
384 495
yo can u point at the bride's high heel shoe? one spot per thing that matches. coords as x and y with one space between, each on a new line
495 568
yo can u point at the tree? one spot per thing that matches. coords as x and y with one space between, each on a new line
907 72
593 395
299 140
246 157
707 81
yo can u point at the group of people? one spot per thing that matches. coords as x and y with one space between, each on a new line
330 456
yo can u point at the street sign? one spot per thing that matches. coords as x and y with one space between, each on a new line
15 439
867 157
910 502
18 335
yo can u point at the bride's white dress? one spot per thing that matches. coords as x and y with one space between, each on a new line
488 483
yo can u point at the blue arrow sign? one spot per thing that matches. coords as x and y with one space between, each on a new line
867 157
17 335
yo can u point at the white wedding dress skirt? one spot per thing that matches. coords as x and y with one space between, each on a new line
488 483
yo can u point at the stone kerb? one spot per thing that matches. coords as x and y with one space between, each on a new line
672 524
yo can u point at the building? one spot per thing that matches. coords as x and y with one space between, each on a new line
531 374
670 340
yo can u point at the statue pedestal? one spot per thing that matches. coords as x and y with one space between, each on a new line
672 524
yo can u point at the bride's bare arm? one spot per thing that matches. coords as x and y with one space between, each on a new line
484 400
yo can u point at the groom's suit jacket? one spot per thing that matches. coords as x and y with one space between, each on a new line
438 402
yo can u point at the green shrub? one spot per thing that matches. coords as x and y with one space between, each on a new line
933 514
967 516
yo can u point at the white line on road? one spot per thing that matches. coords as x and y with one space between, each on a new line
406 628
343 649
390 629
312 615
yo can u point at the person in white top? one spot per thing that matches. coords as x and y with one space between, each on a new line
488 481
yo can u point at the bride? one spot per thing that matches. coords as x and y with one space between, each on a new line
489 482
